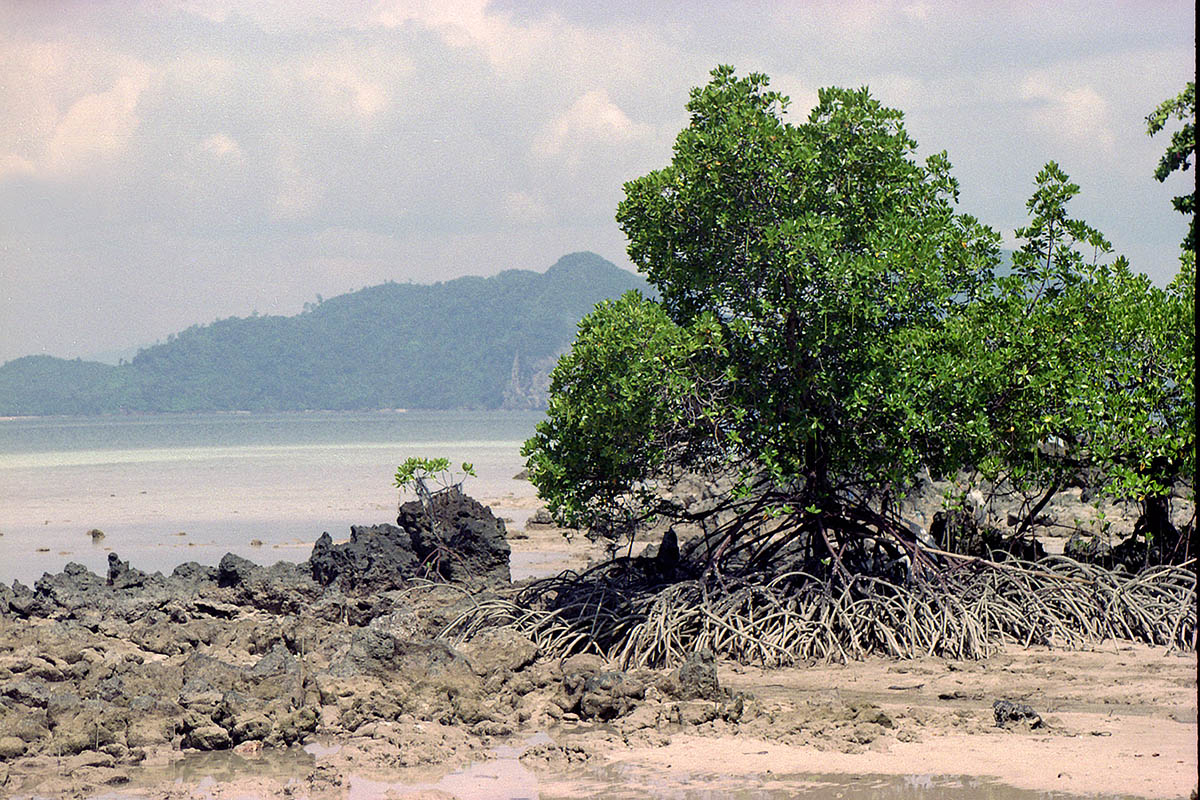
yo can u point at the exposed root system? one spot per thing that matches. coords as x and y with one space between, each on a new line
965 611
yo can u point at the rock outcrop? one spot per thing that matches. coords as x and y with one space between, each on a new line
106 669
459 539
456 539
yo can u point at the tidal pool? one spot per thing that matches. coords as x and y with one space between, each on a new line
504 777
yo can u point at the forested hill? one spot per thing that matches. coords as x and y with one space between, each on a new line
467 343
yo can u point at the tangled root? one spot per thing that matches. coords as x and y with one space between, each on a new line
964 612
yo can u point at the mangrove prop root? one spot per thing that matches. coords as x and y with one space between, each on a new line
967 613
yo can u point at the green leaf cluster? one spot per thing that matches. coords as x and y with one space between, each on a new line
829 324
1180 150
416 473
1091 368
827 254
627 404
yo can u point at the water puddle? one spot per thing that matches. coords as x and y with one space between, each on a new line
504 777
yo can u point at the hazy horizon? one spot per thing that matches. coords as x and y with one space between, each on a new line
172 163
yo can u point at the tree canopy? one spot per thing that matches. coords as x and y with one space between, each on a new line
1180 150
829 324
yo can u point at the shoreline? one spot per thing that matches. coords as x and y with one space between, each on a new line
108 681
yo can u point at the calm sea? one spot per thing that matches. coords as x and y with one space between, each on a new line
173 488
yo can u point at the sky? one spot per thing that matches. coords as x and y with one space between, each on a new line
171 162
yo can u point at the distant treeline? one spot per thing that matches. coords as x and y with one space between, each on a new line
467 343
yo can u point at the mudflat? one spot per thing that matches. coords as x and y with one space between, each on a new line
330 679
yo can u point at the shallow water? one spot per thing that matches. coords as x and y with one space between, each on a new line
173 488
504 777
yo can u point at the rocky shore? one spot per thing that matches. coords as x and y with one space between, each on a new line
102 676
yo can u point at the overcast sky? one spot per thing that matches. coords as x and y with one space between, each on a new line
169 163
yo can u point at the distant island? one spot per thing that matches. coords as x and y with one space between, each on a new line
471 342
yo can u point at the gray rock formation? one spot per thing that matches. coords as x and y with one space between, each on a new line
459 539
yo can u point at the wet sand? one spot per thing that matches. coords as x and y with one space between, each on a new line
1120 722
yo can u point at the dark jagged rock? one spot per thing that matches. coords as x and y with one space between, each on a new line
205 674
1007 712
376 558
75 587
696 678
22 601
121 575
282 588
235 570
206 657
279 661
192 572
459 539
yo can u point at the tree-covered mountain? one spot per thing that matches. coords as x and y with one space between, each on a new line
467 343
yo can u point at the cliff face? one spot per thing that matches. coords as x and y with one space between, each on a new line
528 386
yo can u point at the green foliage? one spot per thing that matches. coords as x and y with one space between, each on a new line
1092 364
417 473
627 404
829 324
827 255
450 345
1180 151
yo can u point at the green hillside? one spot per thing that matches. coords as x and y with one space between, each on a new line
467 343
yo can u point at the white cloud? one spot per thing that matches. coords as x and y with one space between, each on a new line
65 112
467 23
593 120
97 126
298 192
1076 116
521 208
221 146
342 89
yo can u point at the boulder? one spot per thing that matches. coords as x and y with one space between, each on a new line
608 695
376 559
377 652
208 737
12 747
459 539
251 726
499 649
696 678
1007 712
